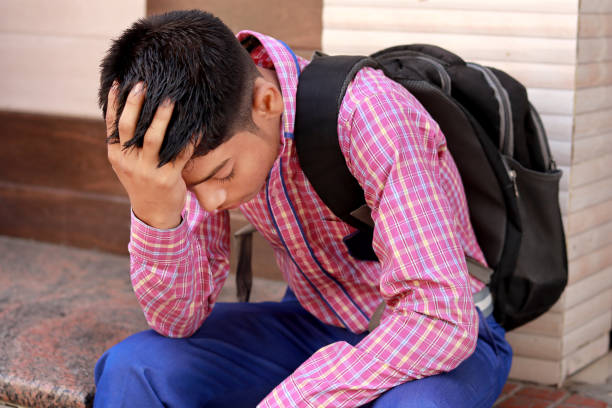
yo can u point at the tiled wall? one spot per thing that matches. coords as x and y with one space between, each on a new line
562 51
51 51
55 182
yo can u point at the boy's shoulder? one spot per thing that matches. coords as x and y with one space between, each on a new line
372 86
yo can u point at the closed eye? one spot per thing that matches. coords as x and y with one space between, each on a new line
226 178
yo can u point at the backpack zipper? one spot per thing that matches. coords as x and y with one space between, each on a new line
542 141
506 131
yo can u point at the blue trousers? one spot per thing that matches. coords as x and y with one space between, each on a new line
243 350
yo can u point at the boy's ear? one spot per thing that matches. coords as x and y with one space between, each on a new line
267 100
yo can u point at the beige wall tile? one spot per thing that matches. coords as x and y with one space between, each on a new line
532 75
588 218
559 324
469 47
595 6
502 23
51 51
593 99
589 241
558 127
594 74
585 266
590 171
581 291
537 370
555 348
552 101
565 177
534 346
594 50
50 74
545 6
593 330
590 147
595 25
104 19
561 151
587 354
591 194
554 372
593 123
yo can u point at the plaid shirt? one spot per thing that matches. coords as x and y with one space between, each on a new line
422 231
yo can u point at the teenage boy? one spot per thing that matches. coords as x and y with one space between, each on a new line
200 122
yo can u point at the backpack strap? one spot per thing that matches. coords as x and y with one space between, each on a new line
320 92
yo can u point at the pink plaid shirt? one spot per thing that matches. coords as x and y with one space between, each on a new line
399 156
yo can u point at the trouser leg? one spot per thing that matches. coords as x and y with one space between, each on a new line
241 352
475 383
244 350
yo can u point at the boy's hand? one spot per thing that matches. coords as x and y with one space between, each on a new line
157 194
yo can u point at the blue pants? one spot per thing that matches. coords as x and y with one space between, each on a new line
243 350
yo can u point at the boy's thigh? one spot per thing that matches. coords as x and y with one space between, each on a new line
475 383
241 352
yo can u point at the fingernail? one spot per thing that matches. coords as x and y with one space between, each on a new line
137 89
115 85
167 102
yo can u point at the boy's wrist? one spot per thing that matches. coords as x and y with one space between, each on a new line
157 245
162 224
163 221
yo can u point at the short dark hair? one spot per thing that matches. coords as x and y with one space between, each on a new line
194 59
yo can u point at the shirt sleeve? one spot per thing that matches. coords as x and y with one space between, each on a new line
178 273
430 325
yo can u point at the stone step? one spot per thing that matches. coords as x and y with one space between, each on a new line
60 309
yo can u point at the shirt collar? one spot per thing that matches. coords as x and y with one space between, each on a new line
277 55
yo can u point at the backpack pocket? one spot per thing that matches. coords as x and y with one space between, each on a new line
541 269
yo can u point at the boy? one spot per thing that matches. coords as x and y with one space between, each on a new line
199 122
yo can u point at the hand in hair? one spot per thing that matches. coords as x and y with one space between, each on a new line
157 194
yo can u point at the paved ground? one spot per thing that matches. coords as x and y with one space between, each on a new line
592 387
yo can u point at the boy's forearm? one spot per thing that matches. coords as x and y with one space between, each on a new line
177 273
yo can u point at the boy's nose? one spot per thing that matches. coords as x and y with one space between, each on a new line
211 199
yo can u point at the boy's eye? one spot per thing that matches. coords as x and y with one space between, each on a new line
226 178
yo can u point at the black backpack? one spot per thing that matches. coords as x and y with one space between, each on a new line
499 145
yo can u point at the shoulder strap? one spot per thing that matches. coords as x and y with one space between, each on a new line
320 92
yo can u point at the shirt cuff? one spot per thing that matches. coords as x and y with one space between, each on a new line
158 245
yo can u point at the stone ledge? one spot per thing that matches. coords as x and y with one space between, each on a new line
60 309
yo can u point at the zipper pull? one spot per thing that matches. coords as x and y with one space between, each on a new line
512 175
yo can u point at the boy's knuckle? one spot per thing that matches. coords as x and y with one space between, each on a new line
125 127
126 170
162 180
149 140
166 182
112 156
110 121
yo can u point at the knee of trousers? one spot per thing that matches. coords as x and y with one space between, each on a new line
139 352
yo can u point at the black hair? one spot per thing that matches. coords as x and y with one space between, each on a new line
194 59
